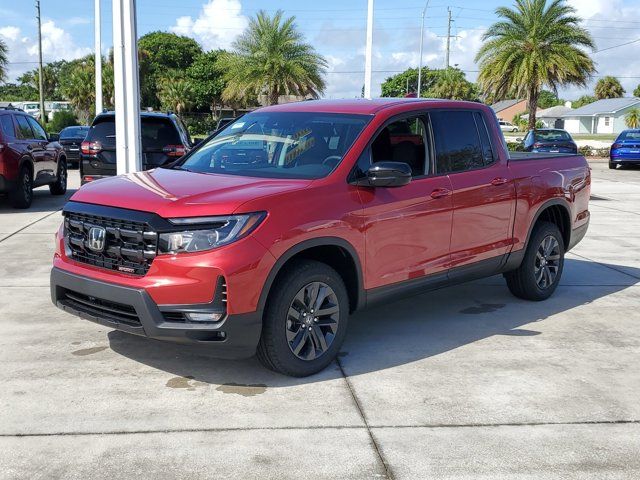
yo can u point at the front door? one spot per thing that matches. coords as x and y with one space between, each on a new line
407 229
35 148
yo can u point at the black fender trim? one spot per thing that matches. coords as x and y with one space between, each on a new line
305 245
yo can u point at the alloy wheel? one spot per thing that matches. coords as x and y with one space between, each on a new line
547 262
26 186
312 321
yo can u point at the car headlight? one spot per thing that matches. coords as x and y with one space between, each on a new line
219 231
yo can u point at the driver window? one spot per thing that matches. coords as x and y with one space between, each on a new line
403 141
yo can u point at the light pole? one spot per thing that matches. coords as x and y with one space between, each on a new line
98 58
127 87
368 52
424 12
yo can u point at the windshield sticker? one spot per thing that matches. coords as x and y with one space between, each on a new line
237 125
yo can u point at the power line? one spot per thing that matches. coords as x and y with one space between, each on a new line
616 46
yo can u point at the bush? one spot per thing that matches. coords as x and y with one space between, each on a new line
200 125
515 146
61 120
585 150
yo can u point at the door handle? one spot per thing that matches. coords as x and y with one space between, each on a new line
499 181
440 193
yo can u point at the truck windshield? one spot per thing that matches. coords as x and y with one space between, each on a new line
279 145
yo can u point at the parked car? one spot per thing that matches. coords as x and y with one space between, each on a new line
31 108
28 158
626 149
71 138
264 238
164 140
507 126
549 140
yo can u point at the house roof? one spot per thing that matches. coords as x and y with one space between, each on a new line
554 112
607 105
504 104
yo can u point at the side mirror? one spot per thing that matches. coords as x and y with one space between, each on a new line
387 174
54 137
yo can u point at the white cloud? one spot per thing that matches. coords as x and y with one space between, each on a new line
217 26
57 44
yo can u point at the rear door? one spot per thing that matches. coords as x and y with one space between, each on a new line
36 149
483 190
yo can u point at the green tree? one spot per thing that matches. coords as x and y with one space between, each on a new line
206 80
4 60
407 82
608 87
78 88
61 119
10 92
270 58
538 43
632 118
175 93
582 101
548 99
158 53
451 84
636 92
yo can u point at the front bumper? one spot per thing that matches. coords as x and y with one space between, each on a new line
133 311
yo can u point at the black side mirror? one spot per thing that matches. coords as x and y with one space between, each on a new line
54 137
387 174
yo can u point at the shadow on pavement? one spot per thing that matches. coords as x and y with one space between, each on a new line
399 332
43 201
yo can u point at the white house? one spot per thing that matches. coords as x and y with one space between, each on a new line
602 116
552 117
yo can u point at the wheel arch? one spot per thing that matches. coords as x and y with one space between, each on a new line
29 163
558 212
333 251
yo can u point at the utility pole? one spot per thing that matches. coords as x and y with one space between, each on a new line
446 61
43 116
98 58
368 52
424 12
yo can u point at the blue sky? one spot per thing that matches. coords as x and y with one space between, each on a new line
335 27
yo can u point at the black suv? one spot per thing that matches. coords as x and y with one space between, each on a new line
164 140
70 139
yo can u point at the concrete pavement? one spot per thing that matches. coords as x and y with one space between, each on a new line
466 382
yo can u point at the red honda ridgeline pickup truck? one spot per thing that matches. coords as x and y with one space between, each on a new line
266 236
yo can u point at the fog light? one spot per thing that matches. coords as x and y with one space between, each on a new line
204 317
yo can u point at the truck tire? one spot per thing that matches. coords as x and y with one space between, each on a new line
541 269
59 187
612 166
22 194
305 320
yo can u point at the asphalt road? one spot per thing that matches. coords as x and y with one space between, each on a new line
466 382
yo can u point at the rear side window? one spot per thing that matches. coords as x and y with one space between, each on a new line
8 129
37 129
156 133
457 141
23 127
552 135
487 151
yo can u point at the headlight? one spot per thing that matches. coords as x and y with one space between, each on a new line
220 231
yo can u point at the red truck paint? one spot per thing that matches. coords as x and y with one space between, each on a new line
468 217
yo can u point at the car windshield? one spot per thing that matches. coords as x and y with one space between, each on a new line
552 136
279 145
74 132
633 135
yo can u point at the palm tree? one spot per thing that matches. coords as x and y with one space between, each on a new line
79 90
537 44
452 84
175 93
608 87
270 58
632 118
4 60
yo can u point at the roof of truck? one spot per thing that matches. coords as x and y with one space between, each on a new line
359 105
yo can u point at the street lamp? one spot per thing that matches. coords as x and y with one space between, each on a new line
424 11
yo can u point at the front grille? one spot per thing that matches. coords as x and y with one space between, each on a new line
98 307
129 247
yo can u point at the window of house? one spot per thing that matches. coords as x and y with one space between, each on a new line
607 120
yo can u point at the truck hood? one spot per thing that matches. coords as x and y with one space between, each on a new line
176 193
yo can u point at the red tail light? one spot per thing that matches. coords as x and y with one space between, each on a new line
174 150
90 148
537 145
616 145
